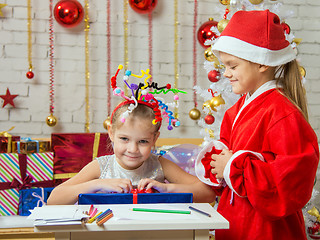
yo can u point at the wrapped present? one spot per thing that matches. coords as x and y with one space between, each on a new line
31 198
72 151
6 141
20 171
28 145
131 198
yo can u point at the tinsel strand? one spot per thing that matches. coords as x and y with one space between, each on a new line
150 44
29 36
195 17
176 74
108 59
87 72
125 39
51 64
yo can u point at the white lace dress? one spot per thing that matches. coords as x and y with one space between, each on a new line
151 168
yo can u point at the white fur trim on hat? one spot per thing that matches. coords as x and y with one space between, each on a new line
253 53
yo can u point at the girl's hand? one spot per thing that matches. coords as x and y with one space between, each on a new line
118 185
148 183
219 162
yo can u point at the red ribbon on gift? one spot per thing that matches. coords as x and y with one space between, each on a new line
26 179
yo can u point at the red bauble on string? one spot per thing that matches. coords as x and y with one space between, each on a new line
30 74
68 13
204 32
314 230
143 6
214 76
209 119
286 28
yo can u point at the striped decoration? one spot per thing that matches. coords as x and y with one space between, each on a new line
40 166
11 199
9 167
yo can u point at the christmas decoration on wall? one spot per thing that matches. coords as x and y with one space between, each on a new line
51 120
2 5
107 121
87 71
176 62
194 113
30 73
8 99
125 39
68 13
143 6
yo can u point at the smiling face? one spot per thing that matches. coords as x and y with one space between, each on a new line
133 141
243 75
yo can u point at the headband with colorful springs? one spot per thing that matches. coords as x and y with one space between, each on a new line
146 97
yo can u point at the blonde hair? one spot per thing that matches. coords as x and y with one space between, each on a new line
141 111
289 78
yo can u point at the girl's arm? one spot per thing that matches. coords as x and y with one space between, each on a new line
179 182
86 181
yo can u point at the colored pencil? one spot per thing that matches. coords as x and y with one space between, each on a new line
160 210
199 211
103 220
91 220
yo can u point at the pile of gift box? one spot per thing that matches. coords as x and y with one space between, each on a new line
31 168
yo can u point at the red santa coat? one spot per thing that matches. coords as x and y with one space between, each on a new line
270 177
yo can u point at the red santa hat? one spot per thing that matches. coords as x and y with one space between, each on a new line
256 36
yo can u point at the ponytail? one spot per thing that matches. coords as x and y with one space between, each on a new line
290 81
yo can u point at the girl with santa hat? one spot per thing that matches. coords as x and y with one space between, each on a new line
265 162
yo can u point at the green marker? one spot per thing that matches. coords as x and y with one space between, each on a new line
160 210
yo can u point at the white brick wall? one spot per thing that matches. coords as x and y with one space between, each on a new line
32 104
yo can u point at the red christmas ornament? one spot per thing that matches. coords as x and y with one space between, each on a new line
68 13
204 32
214 76
209 119
286 28
30 74
143 6
8 98
314 231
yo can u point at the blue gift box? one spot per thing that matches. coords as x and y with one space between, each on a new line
31 198
129 198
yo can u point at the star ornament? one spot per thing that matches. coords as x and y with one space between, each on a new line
8 98
2 6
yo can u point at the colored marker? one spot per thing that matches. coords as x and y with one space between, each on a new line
160 210
199 211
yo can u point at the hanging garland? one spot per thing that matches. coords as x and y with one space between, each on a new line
125 39
107 121
87 72
194 113
176 73
51 119
150 44
29 74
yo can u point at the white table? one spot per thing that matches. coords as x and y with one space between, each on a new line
166 226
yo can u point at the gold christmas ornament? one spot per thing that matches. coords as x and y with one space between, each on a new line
51 120
208 55
106 123
314 212
216 101
222 24
256 2
194 114
302 71
225 2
